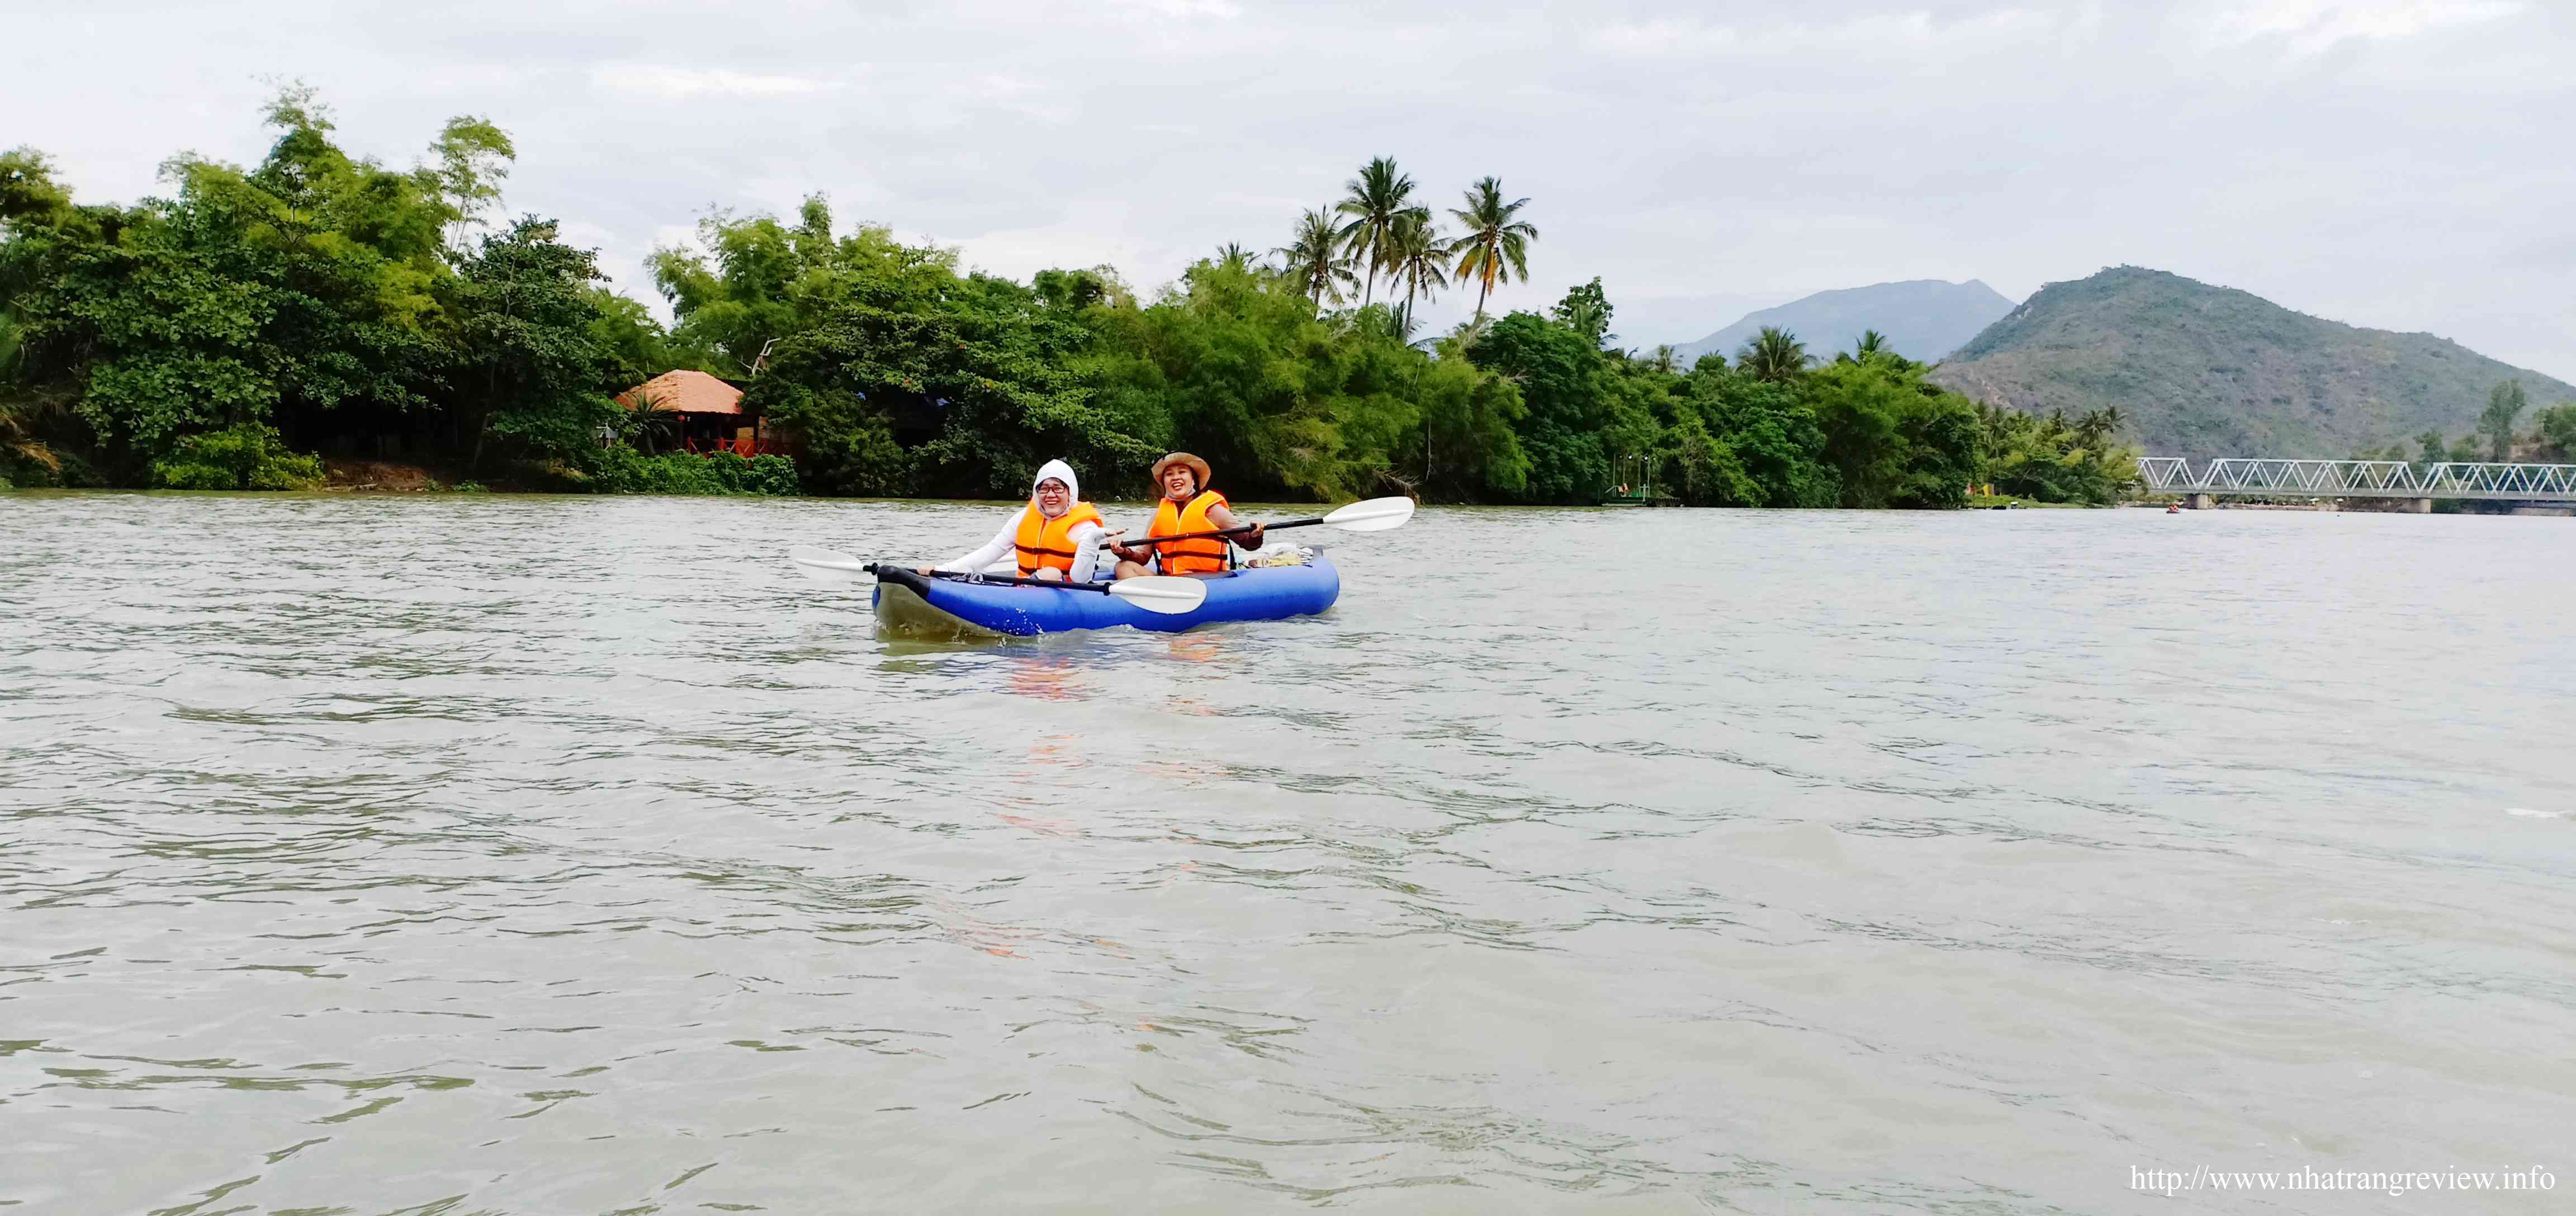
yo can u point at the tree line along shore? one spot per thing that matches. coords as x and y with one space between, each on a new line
252 322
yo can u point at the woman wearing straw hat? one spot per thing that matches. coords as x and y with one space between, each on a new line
1188 506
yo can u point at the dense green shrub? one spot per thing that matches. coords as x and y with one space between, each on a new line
2053 460
317 292
770 475
245 456
623 470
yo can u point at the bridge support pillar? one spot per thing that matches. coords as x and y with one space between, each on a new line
2200 502
2420 506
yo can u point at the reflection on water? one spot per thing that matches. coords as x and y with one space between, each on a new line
1207 646
544 855
1046 678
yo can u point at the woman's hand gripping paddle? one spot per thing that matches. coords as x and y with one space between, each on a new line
1373 515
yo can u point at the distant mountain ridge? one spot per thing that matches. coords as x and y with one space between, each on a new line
2200 370
1923 319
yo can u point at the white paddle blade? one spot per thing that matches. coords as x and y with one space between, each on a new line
825 566
1170 595
1374 515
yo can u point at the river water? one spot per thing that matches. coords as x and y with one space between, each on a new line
483 854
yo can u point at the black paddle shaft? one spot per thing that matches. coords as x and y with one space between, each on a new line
1006 579
1286 523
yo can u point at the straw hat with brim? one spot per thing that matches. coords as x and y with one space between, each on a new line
1193 463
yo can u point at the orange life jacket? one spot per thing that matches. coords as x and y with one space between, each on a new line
1206 555
1044 542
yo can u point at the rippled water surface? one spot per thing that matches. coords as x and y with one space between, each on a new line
541 855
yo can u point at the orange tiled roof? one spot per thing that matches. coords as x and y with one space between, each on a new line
686 392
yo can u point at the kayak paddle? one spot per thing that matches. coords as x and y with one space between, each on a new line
1153 593
1374 515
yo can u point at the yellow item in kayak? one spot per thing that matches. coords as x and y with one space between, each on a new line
1292 555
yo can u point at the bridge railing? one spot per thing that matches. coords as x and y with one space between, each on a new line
2504 480
2359 478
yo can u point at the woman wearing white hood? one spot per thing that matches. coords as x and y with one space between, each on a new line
1057 537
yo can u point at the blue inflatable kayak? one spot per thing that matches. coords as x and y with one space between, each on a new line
907 602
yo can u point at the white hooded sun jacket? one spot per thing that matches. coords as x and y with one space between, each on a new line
1086 537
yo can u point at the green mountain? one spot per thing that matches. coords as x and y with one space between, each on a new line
1923 319
2213 371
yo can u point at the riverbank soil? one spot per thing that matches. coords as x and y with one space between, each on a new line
378 476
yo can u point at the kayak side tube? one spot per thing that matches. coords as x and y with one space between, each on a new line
907 602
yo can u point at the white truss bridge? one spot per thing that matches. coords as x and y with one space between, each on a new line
2549 483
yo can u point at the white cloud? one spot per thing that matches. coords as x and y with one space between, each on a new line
660 80
1869 34
1178 8
1088 233
2384 162
2310 27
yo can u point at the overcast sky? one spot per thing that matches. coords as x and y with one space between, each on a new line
2405 164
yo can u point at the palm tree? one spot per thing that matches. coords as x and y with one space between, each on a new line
1418 257
1377 196
2089 430
1234 255
650 423
1313 258
1495 246
1380 321
1775 355
1872 348
1666 360
1469 333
